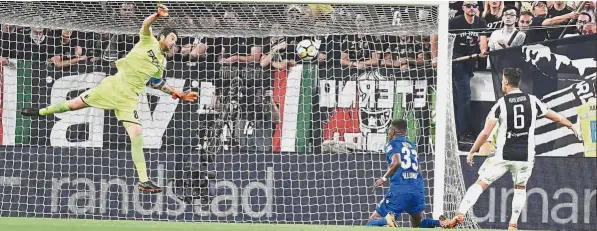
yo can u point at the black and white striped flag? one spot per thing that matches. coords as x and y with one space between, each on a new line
570 64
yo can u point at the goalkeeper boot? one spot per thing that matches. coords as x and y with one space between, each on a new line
30 111
149 187
391 220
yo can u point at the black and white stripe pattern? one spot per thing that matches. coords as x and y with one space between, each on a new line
517 115
552 139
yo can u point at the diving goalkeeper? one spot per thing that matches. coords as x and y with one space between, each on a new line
120 92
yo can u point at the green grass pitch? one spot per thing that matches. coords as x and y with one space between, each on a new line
43 224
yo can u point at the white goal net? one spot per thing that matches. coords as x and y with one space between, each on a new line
272 138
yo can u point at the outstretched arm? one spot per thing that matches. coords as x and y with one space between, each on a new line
558 118
162 12
161 85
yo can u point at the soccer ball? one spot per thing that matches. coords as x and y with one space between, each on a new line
307 49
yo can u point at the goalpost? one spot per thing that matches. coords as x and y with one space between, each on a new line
316 166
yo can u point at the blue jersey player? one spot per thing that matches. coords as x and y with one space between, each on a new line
407 189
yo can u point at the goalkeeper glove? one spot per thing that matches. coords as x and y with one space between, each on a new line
188 95
162 10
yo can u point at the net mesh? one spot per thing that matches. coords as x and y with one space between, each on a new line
454 193
272 138
238 19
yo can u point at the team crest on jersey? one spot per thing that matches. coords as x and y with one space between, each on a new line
406 144
388 148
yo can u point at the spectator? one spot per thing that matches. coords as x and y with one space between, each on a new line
455 9
242 50
470 30
35 45
359 51
67 51
10 36
507 36
127 10
194 50
588 8
190 51
524 23
279 52
492 14
590 28
534 34
259 119
392 55
559 8
583 19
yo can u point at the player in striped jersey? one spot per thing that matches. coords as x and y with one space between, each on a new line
587 122
516 113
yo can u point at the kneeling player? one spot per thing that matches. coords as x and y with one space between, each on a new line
407 189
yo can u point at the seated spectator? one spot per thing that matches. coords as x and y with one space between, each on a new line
393 55
590 9
492 14
455 9
192 49
67 51
10 36
360 51
508 36
241 50
34 46
581 21
539 20
524 22
556 12
590 28
279 52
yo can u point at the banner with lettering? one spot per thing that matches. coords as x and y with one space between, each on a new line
561 73
316 105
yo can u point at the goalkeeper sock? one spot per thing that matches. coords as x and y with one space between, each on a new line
377 222
139 157
55 108
470 198
518 202
429 223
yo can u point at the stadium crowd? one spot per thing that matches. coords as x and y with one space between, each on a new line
67 51
66 48
485 26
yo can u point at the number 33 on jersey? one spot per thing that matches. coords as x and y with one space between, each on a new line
408 173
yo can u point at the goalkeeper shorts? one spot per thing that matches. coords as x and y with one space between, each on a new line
112 94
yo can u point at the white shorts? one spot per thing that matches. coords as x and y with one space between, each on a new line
493 168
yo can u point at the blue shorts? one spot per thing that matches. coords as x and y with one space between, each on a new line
398 201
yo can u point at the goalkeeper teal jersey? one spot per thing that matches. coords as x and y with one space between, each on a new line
143 62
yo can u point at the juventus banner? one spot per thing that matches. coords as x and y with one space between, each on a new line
561 73
344 105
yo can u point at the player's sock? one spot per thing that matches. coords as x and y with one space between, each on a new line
55 108
139 157
518 202
470 198
429 223
377 222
